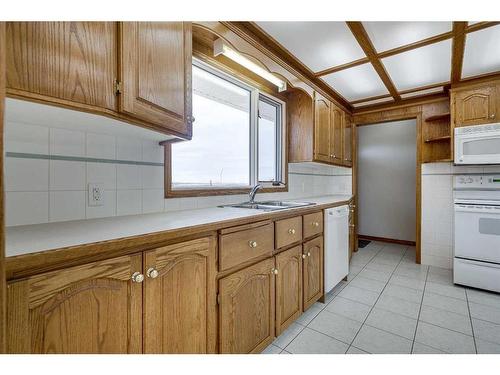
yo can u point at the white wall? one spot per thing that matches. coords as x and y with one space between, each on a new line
40 189
387 180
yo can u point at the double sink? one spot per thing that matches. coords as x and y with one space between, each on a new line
270 205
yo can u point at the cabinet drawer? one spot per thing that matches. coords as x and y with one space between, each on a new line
313 224
240 244
288 231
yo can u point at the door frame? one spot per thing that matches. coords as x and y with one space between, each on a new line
417 115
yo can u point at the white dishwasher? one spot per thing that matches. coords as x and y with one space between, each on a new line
336 257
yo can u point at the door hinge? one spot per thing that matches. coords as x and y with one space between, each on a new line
118 87
218 298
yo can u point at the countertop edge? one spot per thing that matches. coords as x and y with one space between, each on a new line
24 265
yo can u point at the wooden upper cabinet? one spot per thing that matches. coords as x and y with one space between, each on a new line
313 271
478 105
246 309
288 287
180 298
347 138
336 141
94 308
322 128
63 62
155 62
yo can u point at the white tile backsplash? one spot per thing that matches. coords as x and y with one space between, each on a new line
67 175
128 202
66 142
26 138
102 173
67 205
101 146
26 208
128 149
106 210
152 151
128 176
152 177
153 200
26 174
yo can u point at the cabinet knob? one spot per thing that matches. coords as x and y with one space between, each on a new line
304 256
274 271
291 231
152 273
352 225
137 277
315 224
308 253
252 244
492 116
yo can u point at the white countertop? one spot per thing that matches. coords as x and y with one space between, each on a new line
28 239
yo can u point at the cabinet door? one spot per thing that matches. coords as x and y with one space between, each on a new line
347 139
288 287
246 311
313 271
322 129
476 106
155 63
94 308
336 141
180 298
63 62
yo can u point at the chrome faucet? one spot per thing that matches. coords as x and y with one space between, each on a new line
253 192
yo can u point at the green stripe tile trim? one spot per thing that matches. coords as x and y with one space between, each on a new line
22 155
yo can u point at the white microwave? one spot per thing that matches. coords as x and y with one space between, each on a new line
478 144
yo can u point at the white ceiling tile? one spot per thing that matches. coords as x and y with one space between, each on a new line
374 101
420 67
389 35
319 45
434 90
355 83
482 52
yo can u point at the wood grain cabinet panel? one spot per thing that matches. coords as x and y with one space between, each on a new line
246 309
313 271
180 300
288 231
322 129
477 105
313 224
155 63
336 141
288 287
347 139
94 308
63 61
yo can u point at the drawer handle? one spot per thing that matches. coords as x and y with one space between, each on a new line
252 244
315 224
152 273
308 253
291 231
304 256
137 277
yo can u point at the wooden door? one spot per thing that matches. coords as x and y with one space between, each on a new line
180 302
155 64
246 311
2 224
288 288
94 308
63 62
347 140
476 106
336 141
322 128
313 271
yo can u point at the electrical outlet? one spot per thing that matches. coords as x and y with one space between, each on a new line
96 195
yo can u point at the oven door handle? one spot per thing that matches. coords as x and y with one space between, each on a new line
494 210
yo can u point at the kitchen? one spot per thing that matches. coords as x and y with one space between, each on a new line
202 187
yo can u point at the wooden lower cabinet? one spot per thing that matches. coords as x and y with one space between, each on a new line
288 287
313 271
246 309
180 299
93 308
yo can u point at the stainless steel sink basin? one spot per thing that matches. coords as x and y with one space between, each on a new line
270 205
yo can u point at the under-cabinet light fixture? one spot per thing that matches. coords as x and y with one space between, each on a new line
221 48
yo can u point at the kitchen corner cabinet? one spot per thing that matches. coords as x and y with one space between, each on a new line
94 308
165 305
319 130
313 271
288 287
77 65
246 311
479 104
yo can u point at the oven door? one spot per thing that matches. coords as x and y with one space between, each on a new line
477 232
477 144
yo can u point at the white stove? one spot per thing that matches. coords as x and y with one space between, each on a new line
476 260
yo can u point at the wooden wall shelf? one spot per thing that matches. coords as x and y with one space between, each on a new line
439 117
438 139
436 133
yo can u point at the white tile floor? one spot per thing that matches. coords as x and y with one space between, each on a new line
391 305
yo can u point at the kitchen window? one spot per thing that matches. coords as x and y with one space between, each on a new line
237 138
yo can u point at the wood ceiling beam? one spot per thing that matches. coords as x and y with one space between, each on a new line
415 45
338 68
457 51
366 44
480 25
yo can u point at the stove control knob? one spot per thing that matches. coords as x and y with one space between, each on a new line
470 180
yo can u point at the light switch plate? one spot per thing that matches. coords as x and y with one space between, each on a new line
96 195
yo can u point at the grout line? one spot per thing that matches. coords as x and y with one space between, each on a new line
470 320
420 310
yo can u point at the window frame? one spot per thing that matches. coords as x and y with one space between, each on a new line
256 92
